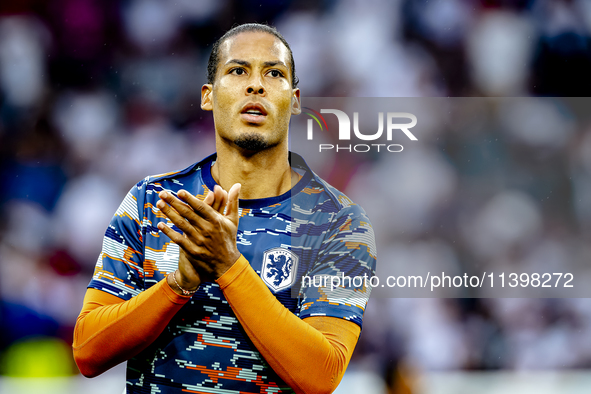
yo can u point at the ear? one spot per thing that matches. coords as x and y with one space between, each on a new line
296 106
206 97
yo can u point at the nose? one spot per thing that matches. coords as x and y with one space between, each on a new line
256 87
252 89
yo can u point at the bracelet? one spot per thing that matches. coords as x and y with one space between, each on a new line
185 292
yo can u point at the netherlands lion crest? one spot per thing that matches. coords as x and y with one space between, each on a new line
279 268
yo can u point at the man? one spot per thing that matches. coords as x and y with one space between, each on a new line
194 287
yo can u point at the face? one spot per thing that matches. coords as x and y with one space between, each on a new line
251 98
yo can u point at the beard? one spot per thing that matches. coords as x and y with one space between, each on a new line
252 142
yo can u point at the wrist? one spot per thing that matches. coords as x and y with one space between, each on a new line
234 258
179 286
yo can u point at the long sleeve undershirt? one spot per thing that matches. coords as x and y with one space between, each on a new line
310 355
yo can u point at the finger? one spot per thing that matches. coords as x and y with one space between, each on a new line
199 207
210 198
224 202
233 195
217 191
173 235
183 208
221 197
176 218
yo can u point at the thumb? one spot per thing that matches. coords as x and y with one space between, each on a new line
232 212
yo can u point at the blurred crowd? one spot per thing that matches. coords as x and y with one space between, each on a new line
96 95
482 195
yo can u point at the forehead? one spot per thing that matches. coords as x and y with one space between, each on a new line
254 46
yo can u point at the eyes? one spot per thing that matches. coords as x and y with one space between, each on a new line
276 73
273 73
237 71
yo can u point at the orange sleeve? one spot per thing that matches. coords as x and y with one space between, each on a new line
310 355
110 330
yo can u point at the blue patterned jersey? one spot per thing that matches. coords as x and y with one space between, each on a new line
313 230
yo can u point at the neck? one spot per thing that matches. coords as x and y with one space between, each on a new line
262 174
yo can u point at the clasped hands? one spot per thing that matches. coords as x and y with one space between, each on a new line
208 243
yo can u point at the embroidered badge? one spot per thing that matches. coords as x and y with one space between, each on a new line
279 268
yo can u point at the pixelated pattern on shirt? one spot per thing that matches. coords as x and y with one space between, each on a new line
204 349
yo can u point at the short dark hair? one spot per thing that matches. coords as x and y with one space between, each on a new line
214 57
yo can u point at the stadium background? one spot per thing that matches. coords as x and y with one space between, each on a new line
95 95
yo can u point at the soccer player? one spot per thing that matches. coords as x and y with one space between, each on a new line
201 291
